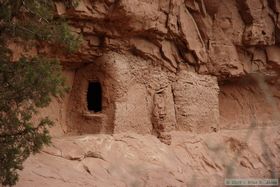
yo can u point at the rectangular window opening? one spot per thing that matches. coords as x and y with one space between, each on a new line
94 97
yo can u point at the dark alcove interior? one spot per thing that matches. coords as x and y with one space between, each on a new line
94 97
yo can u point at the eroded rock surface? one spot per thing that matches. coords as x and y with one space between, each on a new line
208 35
142 160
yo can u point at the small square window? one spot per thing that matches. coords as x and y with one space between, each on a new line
94 97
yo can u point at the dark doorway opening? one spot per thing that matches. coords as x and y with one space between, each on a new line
94 97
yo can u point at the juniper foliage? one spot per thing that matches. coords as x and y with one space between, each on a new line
28 83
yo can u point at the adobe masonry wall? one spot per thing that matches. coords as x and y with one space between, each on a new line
137 96
196 102
80 120
142 97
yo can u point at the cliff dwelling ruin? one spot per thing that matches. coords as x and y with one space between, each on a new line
119 93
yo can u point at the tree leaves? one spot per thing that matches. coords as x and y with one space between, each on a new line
28 84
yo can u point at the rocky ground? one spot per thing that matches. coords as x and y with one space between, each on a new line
142 160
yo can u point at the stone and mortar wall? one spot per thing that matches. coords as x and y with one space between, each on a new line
196 102
141 97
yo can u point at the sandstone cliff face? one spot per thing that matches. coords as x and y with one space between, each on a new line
189 72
